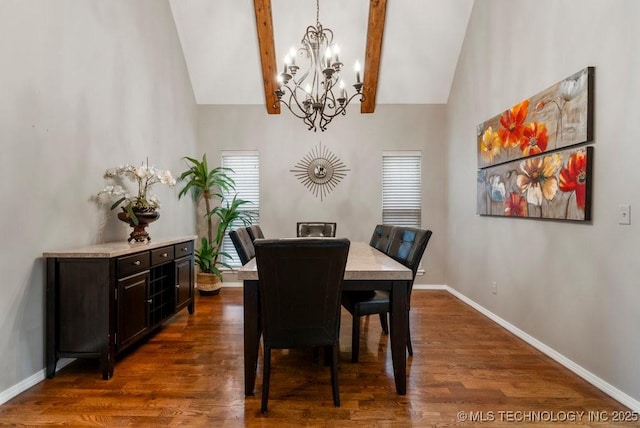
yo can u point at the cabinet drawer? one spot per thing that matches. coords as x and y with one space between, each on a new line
132 264
183 249
161 255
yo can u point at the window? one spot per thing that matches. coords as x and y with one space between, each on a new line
246 174
402 188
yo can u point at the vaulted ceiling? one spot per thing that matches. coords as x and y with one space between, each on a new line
420 45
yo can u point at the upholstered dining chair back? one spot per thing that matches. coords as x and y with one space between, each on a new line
255 232
407 246
300 287
243 244
315 229
381 238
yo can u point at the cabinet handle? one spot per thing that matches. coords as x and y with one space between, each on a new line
136 263
150 301
177 285
184 248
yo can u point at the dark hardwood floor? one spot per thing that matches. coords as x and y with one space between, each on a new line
191 374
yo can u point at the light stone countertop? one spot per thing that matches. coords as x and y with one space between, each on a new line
118 248
364 263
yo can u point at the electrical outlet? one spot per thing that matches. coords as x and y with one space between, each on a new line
624 214
494 287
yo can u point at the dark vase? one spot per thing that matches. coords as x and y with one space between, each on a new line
139 233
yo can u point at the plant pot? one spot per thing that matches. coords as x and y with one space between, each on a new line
208 284
139 233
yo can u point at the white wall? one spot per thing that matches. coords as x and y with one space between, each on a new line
358 141
573 287
85 85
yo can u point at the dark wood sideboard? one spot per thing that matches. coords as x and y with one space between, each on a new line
102 299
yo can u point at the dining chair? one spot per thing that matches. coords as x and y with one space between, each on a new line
407 247
381 238
300 287
255 232
243 244
315 229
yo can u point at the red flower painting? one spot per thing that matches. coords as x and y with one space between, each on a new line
534 139
515 205
512 122
573 177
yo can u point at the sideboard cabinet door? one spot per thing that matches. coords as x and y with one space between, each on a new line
184 283
133 309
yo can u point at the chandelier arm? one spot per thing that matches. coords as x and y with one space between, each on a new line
310 122
342 109
307 119
329 36
281 102
324 122
326 101
302 114
293 112
362 98
291 96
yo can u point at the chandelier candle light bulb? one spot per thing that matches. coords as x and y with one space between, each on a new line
343 90
292 55
310 96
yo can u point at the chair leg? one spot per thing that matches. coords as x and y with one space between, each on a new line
265 379
409 347
334 376
384 323
355 339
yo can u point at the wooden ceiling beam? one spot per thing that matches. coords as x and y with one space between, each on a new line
264 25
375 30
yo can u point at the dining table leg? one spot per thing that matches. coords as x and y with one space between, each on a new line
399 322
251 335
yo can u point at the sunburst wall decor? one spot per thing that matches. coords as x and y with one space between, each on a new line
320 171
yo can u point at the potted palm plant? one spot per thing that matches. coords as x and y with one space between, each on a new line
211 185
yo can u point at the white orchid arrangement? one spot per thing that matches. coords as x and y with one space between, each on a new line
146 176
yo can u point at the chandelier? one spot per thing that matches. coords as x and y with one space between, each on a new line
316 94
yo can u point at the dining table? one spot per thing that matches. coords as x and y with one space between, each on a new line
366 269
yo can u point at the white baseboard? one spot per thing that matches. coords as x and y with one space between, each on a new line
594 380
232 284
32 380
22 386
429 287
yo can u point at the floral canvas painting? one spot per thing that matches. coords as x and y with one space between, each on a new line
550 186
558 117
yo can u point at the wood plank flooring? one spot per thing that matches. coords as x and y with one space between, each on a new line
191 374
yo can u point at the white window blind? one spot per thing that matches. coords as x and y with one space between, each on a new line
246 175
402 188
